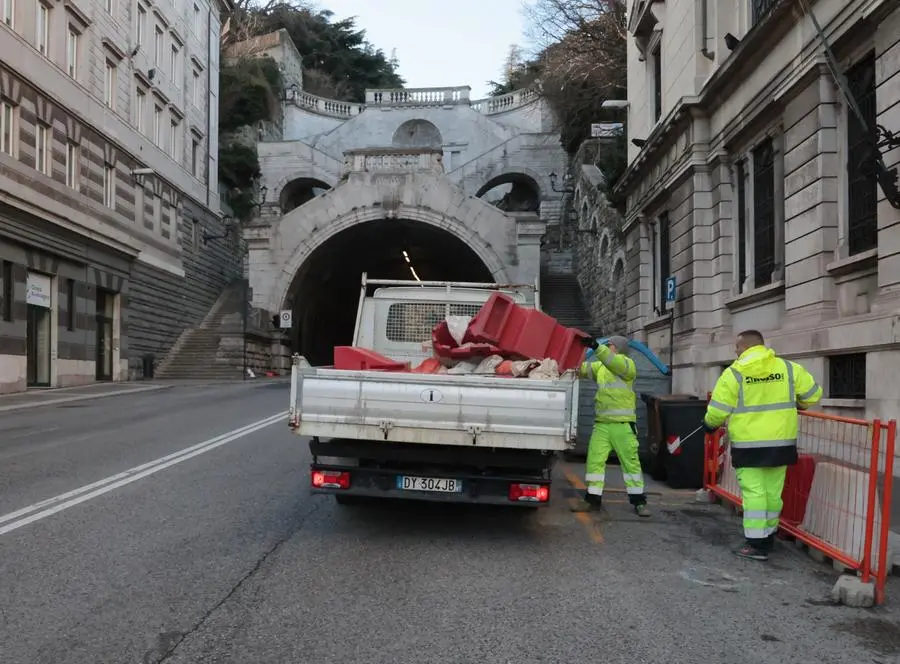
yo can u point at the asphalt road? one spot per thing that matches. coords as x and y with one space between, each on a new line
224 557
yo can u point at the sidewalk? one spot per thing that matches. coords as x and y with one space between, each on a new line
35 398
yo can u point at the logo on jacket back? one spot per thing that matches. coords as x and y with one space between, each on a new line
771 378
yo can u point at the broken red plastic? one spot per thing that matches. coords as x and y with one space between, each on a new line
352 358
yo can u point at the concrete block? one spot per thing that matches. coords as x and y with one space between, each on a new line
816 555
704 496
851 591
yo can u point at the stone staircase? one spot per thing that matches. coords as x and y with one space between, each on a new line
561 295
212 351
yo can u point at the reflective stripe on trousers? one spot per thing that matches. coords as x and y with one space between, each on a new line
761 497
606 437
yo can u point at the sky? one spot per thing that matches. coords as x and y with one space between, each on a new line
440 43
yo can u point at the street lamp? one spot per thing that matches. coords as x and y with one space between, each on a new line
616 103
565 189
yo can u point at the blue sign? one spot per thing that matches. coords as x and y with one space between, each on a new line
670 292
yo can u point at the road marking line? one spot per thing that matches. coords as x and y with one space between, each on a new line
592 526
83 397
71 498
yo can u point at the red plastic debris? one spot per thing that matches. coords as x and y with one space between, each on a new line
488 324
523 333
351 358
430 365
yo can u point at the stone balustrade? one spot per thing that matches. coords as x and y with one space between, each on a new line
330 107
418 97
507 102
393 160
411 98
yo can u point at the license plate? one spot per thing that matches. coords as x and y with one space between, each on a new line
436 484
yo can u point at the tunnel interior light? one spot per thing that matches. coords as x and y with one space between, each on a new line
411 268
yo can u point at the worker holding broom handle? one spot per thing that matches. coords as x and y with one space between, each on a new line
759 395
614 423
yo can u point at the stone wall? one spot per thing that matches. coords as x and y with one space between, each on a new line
162 305
598 247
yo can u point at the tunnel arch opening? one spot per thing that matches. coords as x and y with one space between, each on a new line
324 294
512 192
299 191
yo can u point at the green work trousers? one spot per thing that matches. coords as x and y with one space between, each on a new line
621 437
761 490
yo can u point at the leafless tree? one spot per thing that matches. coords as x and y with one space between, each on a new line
581 45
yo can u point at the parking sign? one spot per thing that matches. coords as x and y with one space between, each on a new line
671 289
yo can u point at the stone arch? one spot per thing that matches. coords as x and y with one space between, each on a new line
618 264
417 133
604 243
312 173
498 171
524 194
618 271
299 191
583 214
282 293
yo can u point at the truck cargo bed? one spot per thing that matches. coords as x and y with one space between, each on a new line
442 409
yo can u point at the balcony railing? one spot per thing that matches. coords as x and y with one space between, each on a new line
507 102
418 97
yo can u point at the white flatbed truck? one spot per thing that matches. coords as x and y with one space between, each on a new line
436 437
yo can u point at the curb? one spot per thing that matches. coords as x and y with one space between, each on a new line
82 397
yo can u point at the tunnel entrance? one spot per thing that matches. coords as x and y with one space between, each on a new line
325 291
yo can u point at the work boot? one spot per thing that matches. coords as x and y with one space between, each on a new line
642 510
586 505
751 552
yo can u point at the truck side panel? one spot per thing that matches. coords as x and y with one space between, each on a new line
442 409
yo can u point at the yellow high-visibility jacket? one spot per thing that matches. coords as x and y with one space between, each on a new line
759 395
614 374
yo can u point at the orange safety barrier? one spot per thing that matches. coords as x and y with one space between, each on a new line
837 499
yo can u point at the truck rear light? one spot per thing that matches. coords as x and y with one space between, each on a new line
330 479
529 493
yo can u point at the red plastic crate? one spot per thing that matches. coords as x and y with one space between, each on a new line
528 334
566 347
351 358
488 324
797 485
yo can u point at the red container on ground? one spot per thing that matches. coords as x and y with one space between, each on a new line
797 485
351 358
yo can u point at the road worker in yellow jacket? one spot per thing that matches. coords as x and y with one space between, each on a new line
614 424
759 395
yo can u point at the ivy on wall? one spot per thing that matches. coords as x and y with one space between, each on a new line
239 171
248 95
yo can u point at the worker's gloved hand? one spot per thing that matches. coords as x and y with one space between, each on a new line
590 342
709 429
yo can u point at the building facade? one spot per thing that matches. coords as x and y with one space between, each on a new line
752 183
108 144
